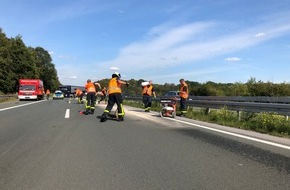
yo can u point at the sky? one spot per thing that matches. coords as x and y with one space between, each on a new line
223 41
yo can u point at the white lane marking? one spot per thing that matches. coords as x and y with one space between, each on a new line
232 134
3 109
216 130
67 113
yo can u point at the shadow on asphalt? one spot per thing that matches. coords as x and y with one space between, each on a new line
111 117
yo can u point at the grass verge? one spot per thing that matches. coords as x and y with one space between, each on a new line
268 123
7 99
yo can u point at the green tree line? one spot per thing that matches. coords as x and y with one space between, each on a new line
19 61
251 88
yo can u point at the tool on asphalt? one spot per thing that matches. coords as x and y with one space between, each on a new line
168 107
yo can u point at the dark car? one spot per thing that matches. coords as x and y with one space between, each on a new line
171 93
174 94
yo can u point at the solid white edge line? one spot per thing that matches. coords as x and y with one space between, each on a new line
233 134
67 112
4 109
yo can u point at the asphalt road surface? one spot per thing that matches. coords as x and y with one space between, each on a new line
50 145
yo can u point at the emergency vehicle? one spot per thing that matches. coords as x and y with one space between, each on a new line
30 89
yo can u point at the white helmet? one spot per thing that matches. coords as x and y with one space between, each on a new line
117 74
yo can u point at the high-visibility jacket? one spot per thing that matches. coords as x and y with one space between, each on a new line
114 86
47 91
90 87
78 92
185 90
148 90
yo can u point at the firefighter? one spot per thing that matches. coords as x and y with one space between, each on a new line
183 93
47 93
147 93
103 94
115 96
79 95
91 96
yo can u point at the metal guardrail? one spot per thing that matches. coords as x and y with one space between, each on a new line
260 99
8 96
257 104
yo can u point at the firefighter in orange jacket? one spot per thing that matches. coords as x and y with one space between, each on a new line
147 93
79 95
115 96
183 93
91 96
47 93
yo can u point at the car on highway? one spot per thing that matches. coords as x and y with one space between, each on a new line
171 93
174 94
58 95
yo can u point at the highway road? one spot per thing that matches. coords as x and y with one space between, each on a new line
49 145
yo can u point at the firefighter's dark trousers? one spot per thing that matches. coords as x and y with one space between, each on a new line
91 101
147 100
115 98
183 107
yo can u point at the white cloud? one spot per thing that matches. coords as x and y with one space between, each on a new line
167 47
259 35
114 68
233 59
51 53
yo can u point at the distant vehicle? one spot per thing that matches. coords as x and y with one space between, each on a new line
171 93
174 94
30 89
69 90
58 95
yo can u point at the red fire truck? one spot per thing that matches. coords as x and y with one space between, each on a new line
30 89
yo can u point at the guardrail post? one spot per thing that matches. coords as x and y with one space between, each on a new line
287 117
207 111
240 115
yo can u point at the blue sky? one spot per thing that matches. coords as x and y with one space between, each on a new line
163 41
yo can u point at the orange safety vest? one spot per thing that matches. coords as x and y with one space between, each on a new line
147 90
114 86
90 87
47 91
183 95
78 92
